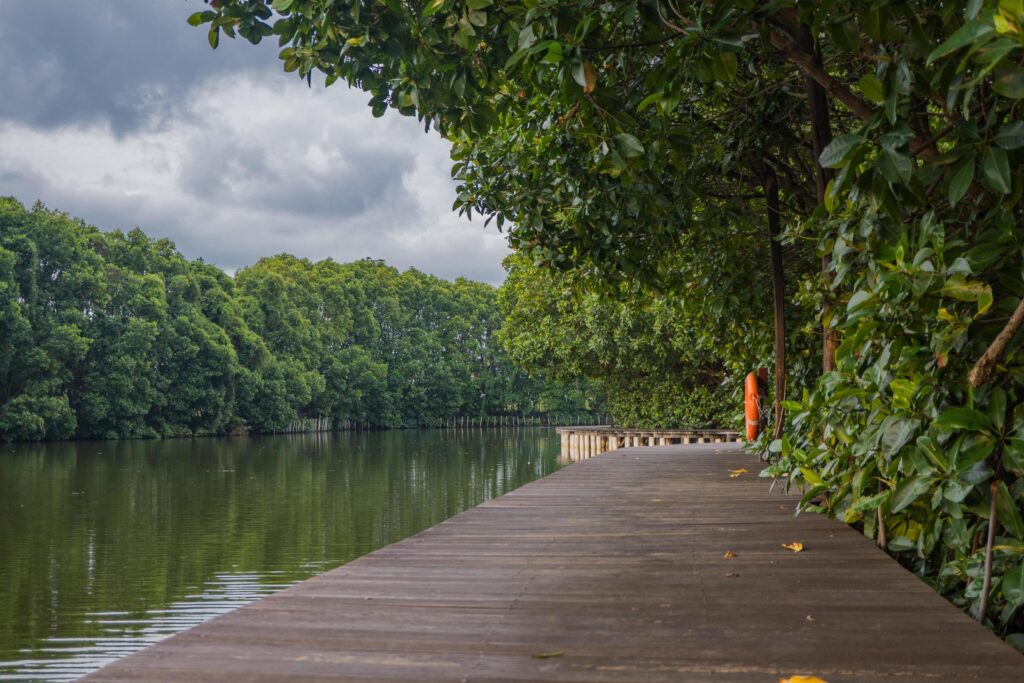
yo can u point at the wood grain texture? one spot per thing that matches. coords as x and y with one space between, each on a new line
616 563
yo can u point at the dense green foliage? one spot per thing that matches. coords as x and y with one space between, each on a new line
106 335
655 371
640 142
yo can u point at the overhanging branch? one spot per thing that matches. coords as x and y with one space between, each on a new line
982 370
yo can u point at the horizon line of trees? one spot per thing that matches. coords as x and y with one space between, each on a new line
116 335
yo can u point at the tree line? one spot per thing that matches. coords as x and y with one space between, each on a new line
833 186
113 335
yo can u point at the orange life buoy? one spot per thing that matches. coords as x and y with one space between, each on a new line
751 406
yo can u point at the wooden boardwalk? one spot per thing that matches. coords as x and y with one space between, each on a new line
614 567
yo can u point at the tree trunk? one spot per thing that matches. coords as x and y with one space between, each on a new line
771 195
821 136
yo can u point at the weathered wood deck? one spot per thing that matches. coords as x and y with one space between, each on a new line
616 563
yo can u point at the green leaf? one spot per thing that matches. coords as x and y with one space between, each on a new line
896 167
628 146
962 418
996 408
1013 455
516 57
214 37
434 7
837 151
995 167
971 33
961 179
858 299
479 4
872 88
554 55
1013 586
870 502
956 491
1009 82
197 18
896 138
973 450
908 491
896 435
1009 515
527 37
812 477
579 74
901 544
1010 135
282 5
935 454
969 291
648 101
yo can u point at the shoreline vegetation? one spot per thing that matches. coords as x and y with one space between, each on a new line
108 335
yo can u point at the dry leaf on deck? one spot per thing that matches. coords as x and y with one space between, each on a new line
735 473
802 679
795 546
728 554
548 655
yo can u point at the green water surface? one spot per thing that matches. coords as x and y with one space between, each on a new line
106 547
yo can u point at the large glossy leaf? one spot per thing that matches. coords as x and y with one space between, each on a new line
908 491
971 33
1010 135
963 418
628 145
1009 82
1013 586
960 179
995 166
837 151
1008 512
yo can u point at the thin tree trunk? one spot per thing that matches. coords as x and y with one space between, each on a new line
821 136
771 195
986 584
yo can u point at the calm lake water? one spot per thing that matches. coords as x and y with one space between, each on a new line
106 547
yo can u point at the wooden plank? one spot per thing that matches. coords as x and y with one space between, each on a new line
617 562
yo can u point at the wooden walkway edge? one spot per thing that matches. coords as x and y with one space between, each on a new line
611 569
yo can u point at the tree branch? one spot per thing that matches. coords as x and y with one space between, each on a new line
813 70
982 370
788 47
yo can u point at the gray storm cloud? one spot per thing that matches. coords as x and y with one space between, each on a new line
120 113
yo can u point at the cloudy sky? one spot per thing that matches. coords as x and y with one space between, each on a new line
119 113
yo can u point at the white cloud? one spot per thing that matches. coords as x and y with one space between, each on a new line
249 165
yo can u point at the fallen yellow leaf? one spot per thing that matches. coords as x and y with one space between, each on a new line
735 473
795 546
802 679
728 554
731 574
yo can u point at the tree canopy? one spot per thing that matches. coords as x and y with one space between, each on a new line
110 335
647 142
